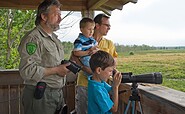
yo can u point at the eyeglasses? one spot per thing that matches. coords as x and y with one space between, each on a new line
106 25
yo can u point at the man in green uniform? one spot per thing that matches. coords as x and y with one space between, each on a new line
41 54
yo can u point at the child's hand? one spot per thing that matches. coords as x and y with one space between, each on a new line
93 50
117 79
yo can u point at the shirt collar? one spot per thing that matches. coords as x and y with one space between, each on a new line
95 82
43 33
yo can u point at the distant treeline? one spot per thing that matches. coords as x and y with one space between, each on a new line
127 48
68 46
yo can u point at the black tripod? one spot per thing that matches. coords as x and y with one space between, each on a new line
133 98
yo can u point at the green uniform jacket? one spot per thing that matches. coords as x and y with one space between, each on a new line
38 51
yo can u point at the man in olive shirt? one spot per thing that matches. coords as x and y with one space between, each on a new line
41 54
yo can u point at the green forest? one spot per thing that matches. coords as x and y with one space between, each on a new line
13 25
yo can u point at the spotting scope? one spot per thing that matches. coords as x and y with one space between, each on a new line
153 78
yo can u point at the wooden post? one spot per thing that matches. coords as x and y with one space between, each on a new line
87 13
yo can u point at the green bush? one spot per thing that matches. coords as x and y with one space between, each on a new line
131 53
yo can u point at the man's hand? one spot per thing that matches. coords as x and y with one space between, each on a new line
61 70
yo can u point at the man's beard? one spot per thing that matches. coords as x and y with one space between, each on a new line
52 26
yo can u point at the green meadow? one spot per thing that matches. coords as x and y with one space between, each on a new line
171 63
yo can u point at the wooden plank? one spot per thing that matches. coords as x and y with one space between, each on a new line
14 100
156 99
70 98
71 5
67 5
162 99
95 4
10 77
4 100
10 99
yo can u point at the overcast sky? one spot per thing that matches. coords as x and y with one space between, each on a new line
149 22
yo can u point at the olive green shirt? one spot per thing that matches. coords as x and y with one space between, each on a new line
38 51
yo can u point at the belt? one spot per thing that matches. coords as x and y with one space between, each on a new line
47 88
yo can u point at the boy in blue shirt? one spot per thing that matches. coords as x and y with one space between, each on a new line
102 65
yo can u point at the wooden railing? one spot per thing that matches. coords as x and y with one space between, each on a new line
155 99
11 86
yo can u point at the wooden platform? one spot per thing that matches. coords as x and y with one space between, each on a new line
155 99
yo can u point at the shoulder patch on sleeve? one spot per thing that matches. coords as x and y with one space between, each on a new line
31 48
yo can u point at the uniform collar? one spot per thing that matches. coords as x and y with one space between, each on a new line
43 33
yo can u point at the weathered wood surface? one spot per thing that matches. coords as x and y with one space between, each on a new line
156 99
69 5
11 86
10 77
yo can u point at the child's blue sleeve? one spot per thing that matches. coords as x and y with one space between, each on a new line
107 86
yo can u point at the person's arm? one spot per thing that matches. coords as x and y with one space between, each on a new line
90 51
77 60
60 70
116 82
77 51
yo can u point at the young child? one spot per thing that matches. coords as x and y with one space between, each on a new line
102 65
85 44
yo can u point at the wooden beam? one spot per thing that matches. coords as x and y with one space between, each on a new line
127 1
106 11
95 4
68 5
19 4
73 5
114 4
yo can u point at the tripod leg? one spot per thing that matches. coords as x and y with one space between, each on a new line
140 108
133 107
126 110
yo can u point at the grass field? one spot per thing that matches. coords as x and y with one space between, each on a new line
171 63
